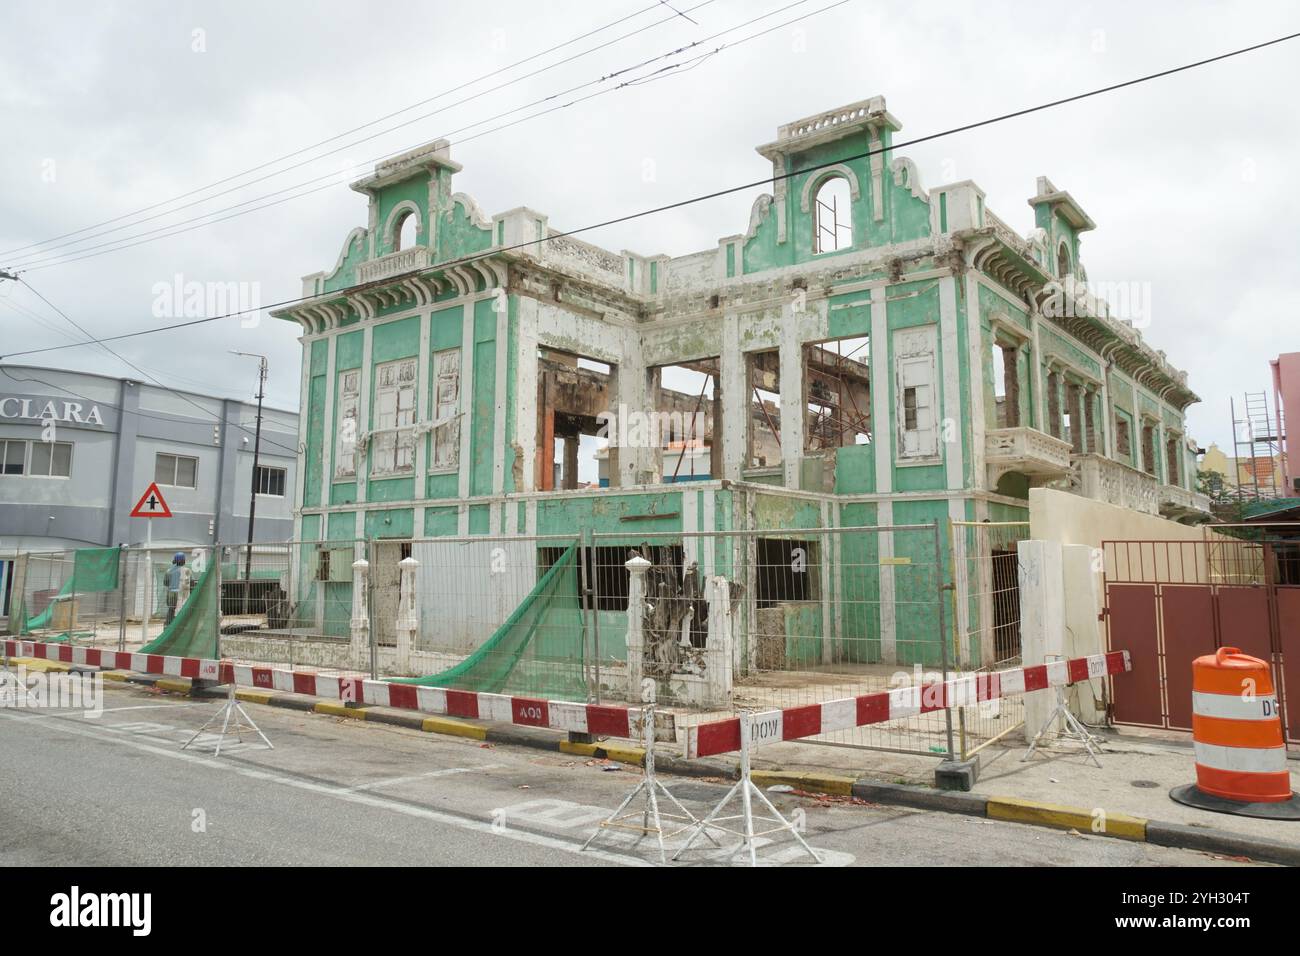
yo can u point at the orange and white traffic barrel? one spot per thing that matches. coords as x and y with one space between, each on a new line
1241 764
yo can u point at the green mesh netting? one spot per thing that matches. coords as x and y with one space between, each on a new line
194 631
94 570
538 652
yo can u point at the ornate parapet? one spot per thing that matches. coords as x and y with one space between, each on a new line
395 263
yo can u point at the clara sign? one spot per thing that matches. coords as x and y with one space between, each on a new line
37 410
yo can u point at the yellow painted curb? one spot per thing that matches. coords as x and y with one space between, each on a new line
1068 818
812 782
254 696
41 665
612 751
455 728
173 685
119 676
339 710
634 755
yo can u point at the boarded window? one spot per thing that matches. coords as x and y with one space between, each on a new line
446 410
918 426
345 456
394 439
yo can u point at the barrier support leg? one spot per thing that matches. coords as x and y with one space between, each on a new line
746 787
231 709
651 786
1074 730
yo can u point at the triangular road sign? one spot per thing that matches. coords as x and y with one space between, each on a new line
151 504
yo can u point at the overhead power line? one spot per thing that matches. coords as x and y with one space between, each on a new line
181 395
48 258
701 198
386 116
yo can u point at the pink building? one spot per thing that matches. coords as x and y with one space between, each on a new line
1286 395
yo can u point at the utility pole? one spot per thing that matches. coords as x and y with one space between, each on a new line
257 450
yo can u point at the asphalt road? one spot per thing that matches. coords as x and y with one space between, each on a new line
118 789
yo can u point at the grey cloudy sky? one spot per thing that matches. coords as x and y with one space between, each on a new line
109 107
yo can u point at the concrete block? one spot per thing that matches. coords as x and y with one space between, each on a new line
957 774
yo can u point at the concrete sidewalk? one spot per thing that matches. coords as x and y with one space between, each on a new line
1137 772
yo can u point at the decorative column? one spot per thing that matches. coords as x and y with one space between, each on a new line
1090 419
408 611
636 569
360 609
718 643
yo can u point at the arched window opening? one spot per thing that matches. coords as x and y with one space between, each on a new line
405 232
833 216
1063 261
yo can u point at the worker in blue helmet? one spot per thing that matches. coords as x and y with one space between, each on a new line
178 579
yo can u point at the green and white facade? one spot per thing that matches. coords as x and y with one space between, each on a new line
433 353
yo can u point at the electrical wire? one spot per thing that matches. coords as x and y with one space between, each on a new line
47 258
387 116
155 381
361 287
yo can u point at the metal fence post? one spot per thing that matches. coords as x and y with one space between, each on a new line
123 560
595 615
585 551
943 635
372 550
216 554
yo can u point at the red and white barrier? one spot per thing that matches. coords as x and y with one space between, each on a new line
525 711
793 723
702 740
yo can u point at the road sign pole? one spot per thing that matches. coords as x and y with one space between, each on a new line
123 565
148 581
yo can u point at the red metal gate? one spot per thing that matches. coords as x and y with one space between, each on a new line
1169 602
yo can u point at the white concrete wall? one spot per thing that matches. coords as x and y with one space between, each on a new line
1042 620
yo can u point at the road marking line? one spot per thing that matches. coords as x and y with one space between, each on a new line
393 781
365 799
47 713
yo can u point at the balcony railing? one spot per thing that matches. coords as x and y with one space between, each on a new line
1026 450
1100 478
395 263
